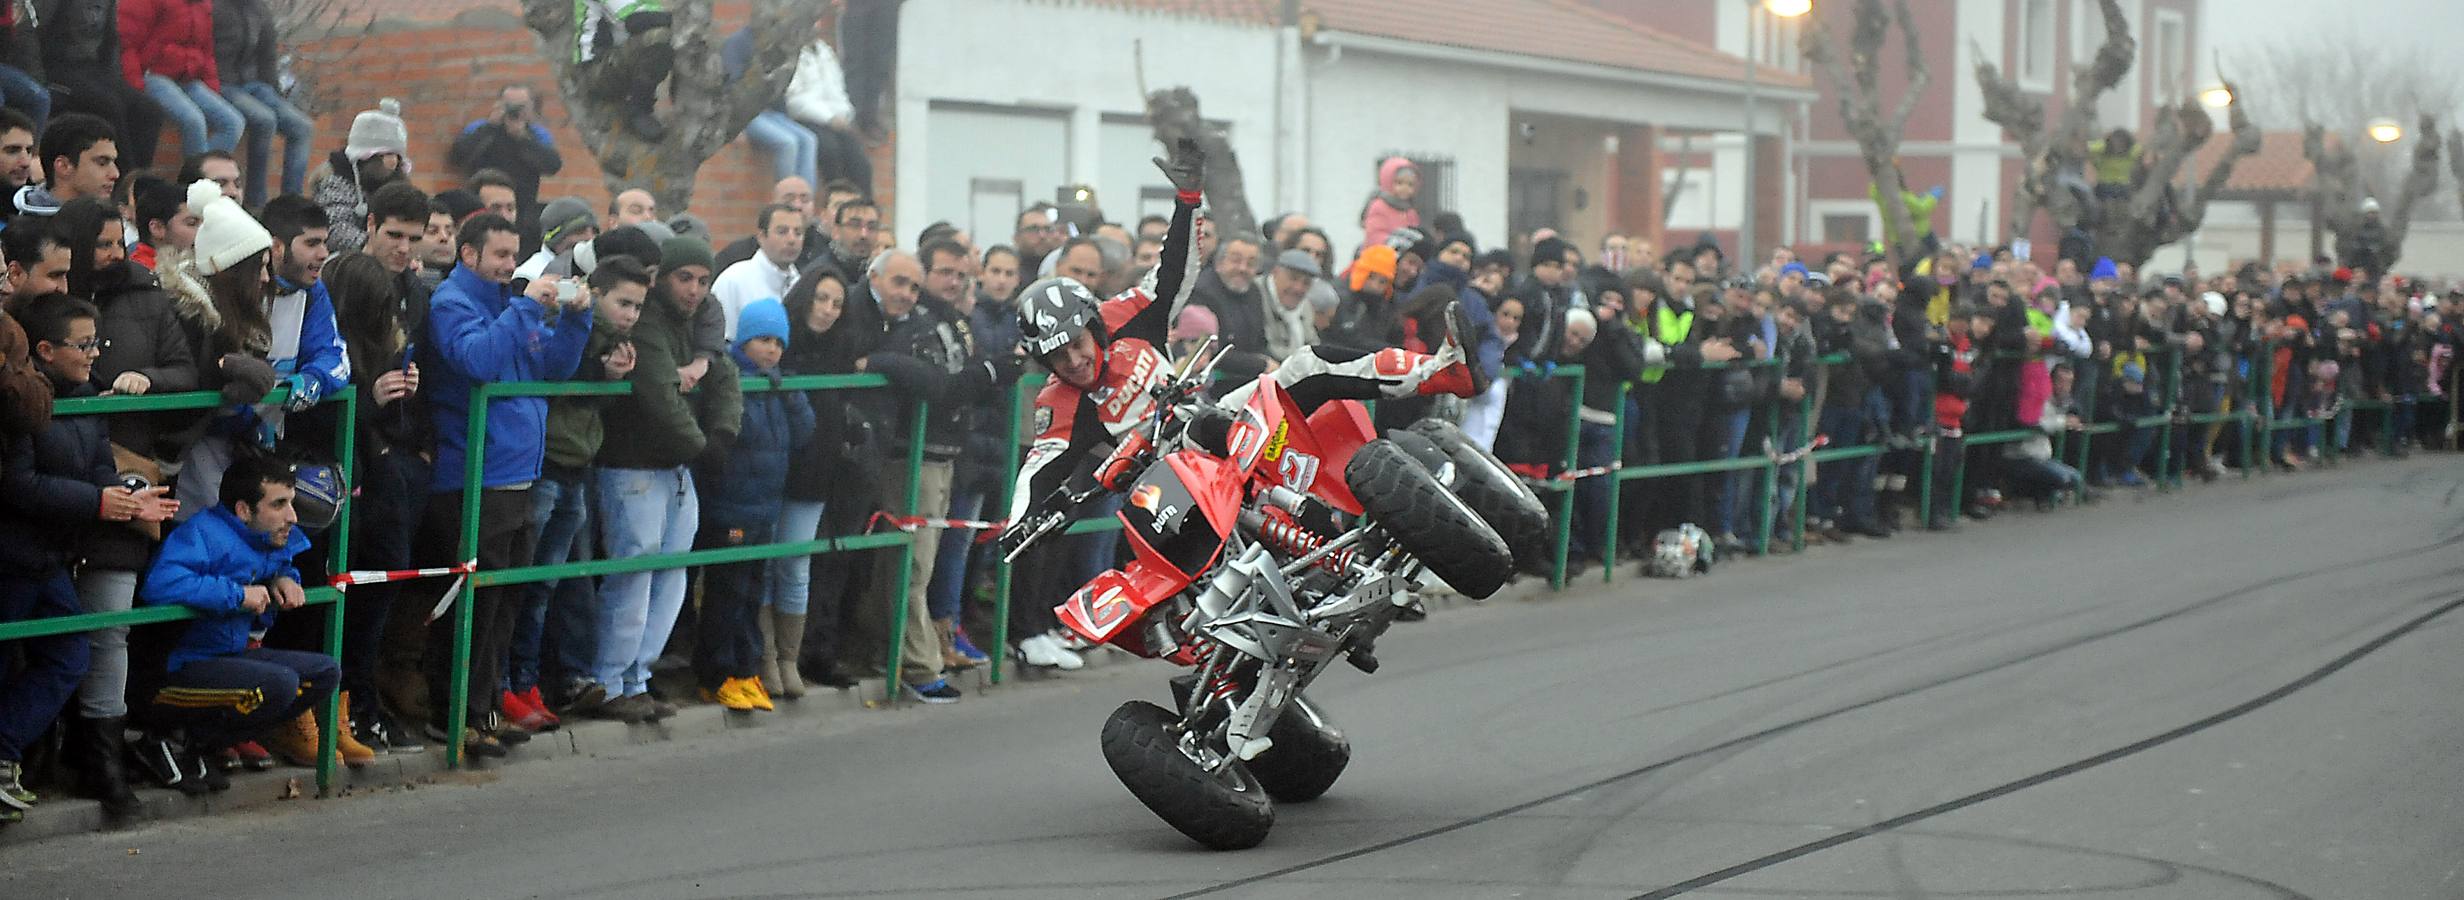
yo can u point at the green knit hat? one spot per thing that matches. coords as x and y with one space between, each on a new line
678 252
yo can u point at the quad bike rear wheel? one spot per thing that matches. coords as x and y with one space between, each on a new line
1434 526
1225 810
1493 491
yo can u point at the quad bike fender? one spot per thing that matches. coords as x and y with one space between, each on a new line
1104 609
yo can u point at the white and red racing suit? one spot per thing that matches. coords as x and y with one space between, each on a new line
1070 421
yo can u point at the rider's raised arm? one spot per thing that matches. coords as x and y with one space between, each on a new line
1146 312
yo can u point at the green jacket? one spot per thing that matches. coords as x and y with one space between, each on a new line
594 20
574 429
662 427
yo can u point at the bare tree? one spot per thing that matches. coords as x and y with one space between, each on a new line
2341 187
1877 131
1174 114
705 110
2342 81
2158 210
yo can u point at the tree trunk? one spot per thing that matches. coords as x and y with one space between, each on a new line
2337 182
1877 131
1174 114
704 112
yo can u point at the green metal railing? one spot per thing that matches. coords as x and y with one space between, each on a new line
458 711
338 549
2255 414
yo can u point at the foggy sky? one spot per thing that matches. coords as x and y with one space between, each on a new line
2247 25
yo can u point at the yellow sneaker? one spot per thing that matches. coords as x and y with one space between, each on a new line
731 694
743 695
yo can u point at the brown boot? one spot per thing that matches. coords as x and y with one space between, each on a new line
951 659
295 741
769 651
354 753
790 633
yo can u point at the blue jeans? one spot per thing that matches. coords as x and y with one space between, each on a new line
792 148
949 585
206 121
19 91
267 114
1725 511
790 587
1596 445
559 514
641 512
34 696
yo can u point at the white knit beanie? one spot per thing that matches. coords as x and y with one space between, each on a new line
377 131
226 235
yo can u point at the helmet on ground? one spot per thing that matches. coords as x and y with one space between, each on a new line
1053 312
1681 552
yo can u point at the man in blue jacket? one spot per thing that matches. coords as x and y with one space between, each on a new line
232 564
480 331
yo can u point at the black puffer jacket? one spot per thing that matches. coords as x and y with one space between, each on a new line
929 356
141 333
51 489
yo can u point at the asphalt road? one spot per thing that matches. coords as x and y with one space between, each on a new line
2248 691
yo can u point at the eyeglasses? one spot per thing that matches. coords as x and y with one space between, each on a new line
89 345
860 225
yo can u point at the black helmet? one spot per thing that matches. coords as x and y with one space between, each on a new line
1053 312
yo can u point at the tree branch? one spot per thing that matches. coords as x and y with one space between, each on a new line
1860 109
2419 182
1919 77
2247 139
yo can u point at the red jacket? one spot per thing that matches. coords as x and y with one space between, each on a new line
170 38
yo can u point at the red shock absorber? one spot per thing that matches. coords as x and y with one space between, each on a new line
1286 536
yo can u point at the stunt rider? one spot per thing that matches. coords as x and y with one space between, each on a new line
1104 358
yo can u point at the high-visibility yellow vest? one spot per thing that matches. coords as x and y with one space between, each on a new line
1672 331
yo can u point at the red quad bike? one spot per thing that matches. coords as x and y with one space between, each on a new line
1256 566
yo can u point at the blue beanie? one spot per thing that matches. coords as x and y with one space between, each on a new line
2105 270
1983 261
761 318
1794 268
2132 372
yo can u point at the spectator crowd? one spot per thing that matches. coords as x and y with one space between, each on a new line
280 295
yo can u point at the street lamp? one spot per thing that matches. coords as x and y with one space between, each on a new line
1785 9
2386 131
2216 96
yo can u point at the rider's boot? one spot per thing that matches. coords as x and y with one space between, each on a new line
1457 373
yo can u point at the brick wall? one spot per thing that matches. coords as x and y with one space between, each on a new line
448 73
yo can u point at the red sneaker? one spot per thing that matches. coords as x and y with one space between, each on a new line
251 756
520 714
540 705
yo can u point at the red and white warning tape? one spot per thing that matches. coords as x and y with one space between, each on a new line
911 523
1776 458
382 576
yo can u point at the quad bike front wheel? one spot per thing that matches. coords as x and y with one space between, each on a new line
1308 755
1225 810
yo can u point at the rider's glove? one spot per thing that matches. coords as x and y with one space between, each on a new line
1186 167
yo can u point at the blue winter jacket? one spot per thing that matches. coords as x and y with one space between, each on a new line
308 353
206 565
483 332
777 426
